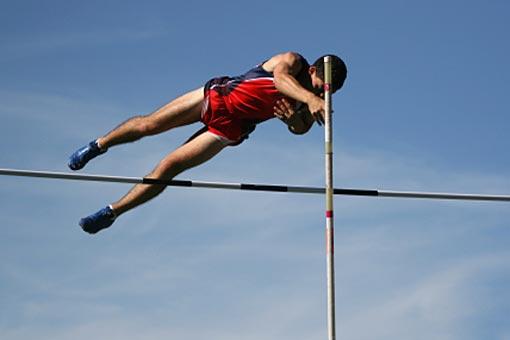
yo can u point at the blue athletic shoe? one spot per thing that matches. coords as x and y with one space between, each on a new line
98 221
83 155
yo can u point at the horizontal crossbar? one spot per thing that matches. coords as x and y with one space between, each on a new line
254 187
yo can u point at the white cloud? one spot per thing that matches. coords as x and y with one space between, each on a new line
440 306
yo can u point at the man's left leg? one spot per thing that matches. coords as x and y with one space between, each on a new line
191 154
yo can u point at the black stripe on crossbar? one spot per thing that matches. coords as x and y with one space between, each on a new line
256 187
175 182
355 192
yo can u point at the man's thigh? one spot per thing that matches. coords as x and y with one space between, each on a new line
193 153
184 110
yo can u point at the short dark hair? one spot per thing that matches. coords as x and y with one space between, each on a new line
338 70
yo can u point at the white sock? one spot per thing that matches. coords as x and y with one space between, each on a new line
99 145
113 212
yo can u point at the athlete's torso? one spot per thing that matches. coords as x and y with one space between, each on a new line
253 95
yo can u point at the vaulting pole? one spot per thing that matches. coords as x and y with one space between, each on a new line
330 231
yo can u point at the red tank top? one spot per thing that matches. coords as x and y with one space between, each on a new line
253 95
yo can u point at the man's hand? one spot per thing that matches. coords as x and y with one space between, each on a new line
317 107
283 110
297 117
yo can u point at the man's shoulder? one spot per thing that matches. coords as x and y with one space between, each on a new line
293 59
289 56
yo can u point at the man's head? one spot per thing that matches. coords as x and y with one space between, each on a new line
338 70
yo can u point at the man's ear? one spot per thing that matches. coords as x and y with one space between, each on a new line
312 69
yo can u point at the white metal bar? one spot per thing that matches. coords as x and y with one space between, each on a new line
69 176
257 187
443 196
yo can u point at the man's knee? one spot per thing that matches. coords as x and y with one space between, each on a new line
147 125
170 167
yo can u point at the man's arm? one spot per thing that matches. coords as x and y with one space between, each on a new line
284 67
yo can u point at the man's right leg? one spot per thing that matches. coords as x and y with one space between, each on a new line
181 111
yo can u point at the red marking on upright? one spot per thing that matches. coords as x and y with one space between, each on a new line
329 213
327 87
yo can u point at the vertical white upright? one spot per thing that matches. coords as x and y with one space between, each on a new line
330 233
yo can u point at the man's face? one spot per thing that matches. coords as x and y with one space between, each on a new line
317 83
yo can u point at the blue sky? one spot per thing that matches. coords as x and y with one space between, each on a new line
424 108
